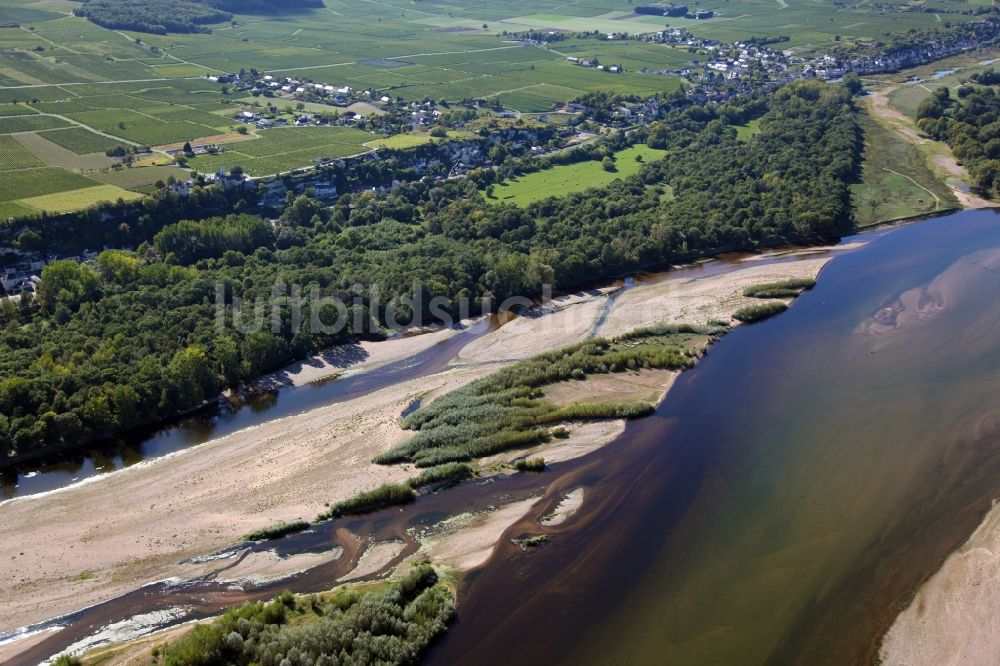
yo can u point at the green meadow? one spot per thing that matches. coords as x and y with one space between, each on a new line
566 178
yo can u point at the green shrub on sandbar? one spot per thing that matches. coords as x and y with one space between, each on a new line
530 464
783 289
452 472
754 313
388 494
277 531
589 411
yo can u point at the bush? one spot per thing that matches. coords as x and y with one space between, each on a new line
277 531
388 494
755 313
450 472
783 289
530 464
67 660
391 625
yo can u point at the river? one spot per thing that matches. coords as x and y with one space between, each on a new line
780 506
791 492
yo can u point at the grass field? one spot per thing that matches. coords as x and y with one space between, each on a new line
745 131
134 179
10 209
413 139
63 202
402 141
576 177
896 181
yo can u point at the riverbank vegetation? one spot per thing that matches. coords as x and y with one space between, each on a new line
136 338
782 289
391 623
896 181
508 410
968 124
754 313
536 464
388 494
277 531
442 475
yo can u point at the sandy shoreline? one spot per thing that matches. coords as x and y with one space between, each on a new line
953 618
352 359
132 527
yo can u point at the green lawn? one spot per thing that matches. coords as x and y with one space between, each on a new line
747 129
576 177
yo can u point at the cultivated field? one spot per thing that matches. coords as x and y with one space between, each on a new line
283 149
63 202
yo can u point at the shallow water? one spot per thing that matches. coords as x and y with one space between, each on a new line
791 492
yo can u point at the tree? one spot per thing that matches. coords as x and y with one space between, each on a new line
67 282
608 163
191 377
262 352
119 266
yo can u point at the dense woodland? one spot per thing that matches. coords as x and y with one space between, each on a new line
970 124
133 338
184 16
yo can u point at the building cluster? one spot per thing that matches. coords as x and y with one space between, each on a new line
21 275
593 62
728 70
